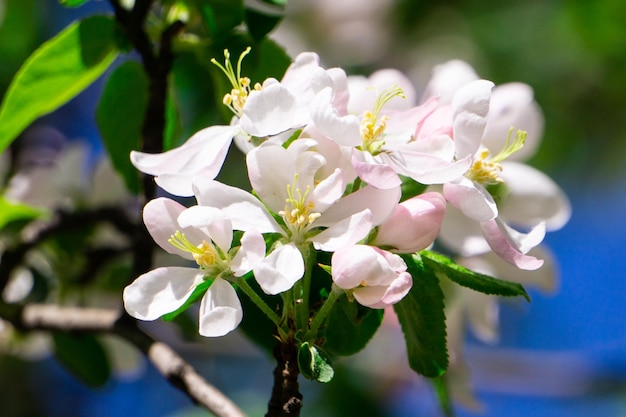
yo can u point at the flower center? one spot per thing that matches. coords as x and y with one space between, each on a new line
205 254
236 99
486 170
298 212
373 125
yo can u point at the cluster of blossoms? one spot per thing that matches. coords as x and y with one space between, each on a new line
328 157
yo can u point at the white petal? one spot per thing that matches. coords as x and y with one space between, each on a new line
328 191
271 111
161 219
280 269
271 169
347 232
472 199
470 108
380 202
343 130
462 234
219 227
533 197
204 151
160 291
447 78
251 252
220 310
513 105
245 211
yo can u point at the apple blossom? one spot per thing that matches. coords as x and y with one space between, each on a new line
386 143
202 234
376 278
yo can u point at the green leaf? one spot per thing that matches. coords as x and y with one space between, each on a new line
444 266
411 188
314 364
10 212
260 24
422 317
197 293
56 72
72 3
120 116
84 357
221 16
350 327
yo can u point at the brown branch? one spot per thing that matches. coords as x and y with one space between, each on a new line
286 400
91 320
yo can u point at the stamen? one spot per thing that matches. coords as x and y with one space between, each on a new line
205 254
486 170
373 126
236 99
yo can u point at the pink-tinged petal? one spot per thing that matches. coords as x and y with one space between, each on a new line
387 78
427 169
161 219
482 312
436 123
205 149
271 169
345 130
377 174
524 241
271 111
472 199
545 278
470 107
280 269
380 202
344 233
160 291
414 225
220 310
351 266
219 227
533 197
500 243
245 211
462 235
439 146
447 79
250 253
513 105
385 296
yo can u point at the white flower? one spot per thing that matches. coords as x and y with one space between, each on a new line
202 234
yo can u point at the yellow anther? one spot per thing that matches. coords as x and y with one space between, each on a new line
298 212
236 99
486 170
373 125
205 254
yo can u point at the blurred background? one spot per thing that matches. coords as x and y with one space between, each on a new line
564 354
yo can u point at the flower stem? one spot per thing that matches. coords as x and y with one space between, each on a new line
256 299
322 314
303 288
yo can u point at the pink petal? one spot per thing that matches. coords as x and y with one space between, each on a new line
502 246
472 199
346 232
345 130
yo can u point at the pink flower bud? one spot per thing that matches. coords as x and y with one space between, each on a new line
414 224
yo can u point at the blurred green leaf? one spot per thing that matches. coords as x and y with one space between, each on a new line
423 320
260 24
220 16
314 364
411 188
84 357
120 116
72 3
56 72
350 327
10 212
442 265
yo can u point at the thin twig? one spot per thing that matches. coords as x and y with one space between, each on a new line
92 320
